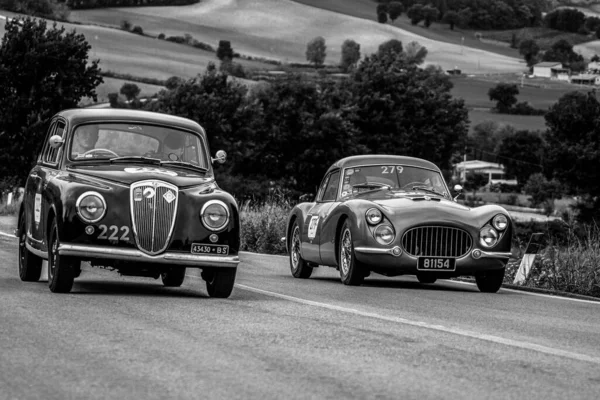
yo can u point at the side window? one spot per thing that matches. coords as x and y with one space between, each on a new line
51 154
331 189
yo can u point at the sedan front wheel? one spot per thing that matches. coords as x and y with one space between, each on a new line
61 269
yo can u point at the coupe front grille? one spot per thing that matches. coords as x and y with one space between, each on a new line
153 212
436 241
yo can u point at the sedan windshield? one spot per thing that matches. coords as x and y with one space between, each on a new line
136 142
392 177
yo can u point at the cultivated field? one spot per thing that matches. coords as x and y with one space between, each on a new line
280 29
519 122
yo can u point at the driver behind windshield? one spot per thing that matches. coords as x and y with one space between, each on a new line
84 140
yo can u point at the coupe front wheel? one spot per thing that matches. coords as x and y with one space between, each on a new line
351 271
30 265
299 267
490 281
219 281
61 269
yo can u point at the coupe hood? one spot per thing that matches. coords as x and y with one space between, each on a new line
130 173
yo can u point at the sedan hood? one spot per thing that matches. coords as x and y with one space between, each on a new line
130 173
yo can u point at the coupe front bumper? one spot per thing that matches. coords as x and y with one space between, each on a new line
111 253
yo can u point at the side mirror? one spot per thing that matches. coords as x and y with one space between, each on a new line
221 157
56 141
458 189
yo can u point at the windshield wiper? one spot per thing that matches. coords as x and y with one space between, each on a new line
427 189
135 158
184 165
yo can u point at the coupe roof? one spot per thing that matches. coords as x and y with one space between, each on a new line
356 161
81 115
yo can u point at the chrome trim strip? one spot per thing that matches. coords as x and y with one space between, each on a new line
490 254
375 250
39 253
185 259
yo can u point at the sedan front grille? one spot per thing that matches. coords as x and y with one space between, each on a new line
153 212
436 241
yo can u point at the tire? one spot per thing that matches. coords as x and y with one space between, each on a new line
61 269
426 279
351 271
299 267
30 265
219 282
490 281
174 277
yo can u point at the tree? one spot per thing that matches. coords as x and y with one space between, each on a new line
562 51
350 54
390 46
395 9
595 58
415 53
542 191
430 14
505 94
224 51
415 13
43 70
529 49
521 155
382 17
572 153
411 109
452 18
130 90
316 51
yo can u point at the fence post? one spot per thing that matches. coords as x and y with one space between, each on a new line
531 251
9 199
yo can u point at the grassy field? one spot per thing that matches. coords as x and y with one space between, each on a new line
112 85
519 122
137 55
281 29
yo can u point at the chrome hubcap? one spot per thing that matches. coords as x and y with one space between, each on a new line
295 251
346 252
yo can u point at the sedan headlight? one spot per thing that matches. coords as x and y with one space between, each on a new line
488 236
91 207
384 234
214 215
374 216
500 222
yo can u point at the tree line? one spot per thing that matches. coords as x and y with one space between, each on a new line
82 4
467 14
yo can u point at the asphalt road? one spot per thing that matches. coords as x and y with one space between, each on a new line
280 337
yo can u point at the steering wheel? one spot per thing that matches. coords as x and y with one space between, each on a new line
92 151
411 184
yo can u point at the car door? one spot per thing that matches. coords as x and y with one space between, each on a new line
42 174
317 214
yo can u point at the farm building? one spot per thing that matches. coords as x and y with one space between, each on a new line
586 79
548 69
494 172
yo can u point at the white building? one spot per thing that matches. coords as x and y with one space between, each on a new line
495 172
547 69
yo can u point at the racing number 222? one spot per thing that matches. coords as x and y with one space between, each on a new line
114 232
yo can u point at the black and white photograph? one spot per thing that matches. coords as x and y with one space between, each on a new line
299 199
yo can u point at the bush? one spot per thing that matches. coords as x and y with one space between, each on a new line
125 25
137 30
263 226
525 108
161 36
176 39
232 68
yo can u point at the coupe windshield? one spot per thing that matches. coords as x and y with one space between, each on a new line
144 142
394 177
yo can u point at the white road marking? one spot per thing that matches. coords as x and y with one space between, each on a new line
439 328
7 235
548 296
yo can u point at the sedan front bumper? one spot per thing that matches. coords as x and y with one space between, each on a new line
111 253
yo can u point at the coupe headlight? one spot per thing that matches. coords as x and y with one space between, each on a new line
214 215
91 207
488 236
374 216
384 234
500 222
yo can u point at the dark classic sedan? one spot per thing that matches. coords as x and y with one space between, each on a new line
131 191
395 215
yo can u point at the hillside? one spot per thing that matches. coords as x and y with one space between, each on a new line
280 29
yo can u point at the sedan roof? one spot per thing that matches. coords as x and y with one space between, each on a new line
356 161
82 115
